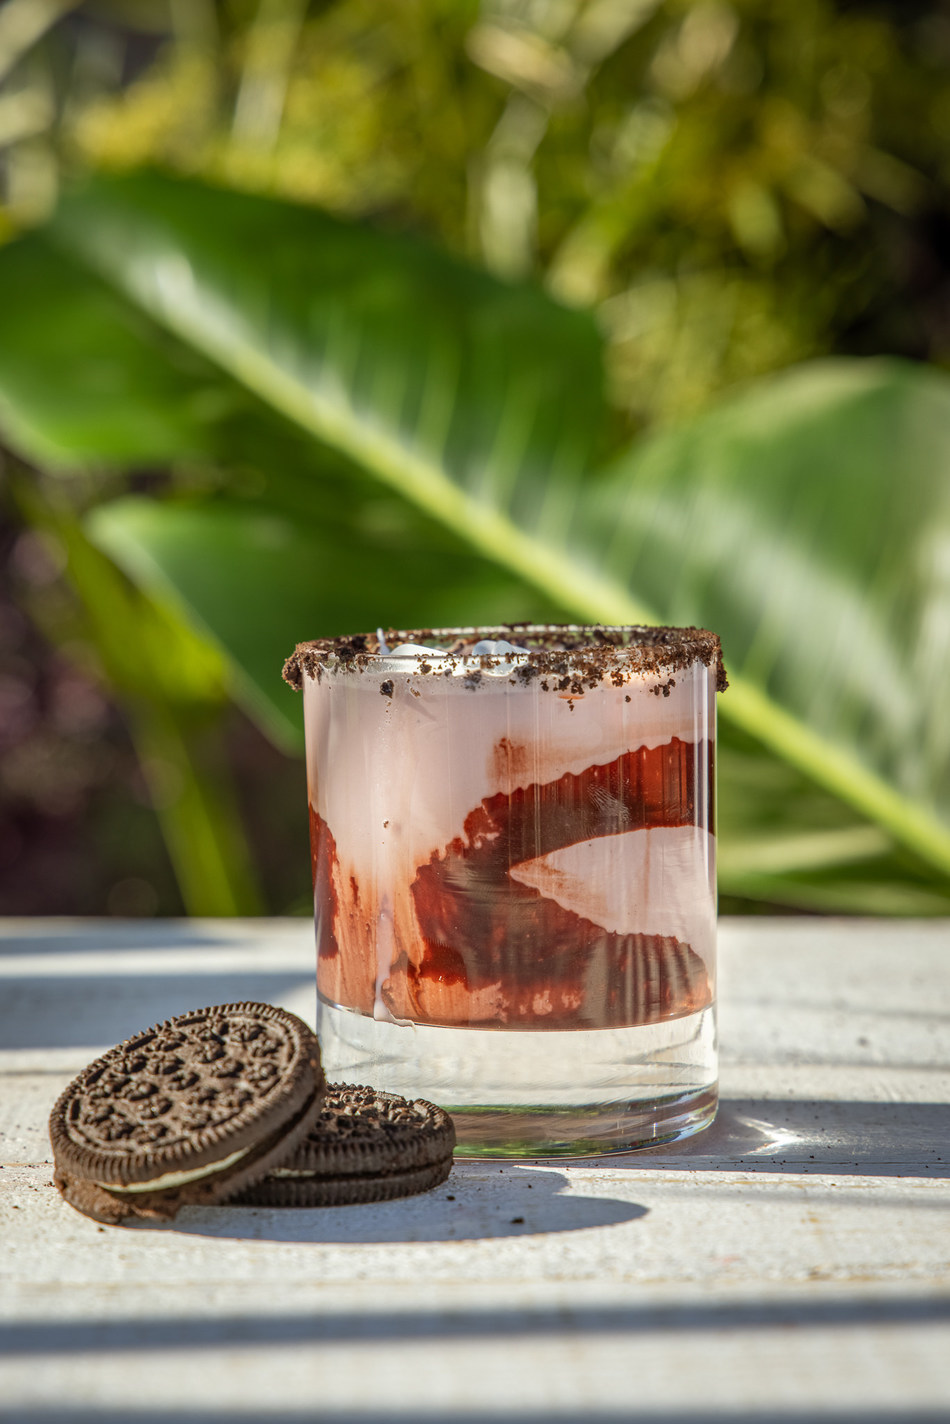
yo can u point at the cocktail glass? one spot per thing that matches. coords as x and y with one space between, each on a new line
512 834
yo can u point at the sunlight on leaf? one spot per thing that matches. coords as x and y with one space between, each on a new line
806 520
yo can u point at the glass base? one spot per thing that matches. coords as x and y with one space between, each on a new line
581 1131
516 1093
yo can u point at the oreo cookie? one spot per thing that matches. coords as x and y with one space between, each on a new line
188 1112
366 1146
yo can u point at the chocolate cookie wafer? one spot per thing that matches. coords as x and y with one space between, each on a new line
189 1111
366 1146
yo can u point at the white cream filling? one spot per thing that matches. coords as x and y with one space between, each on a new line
175 1179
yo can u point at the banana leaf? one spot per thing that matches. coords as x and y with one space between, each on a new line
84 377
806 520
809 520
257 581
88 383
478 401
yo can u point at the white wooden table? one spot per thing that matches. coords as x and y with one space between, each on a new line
791 1262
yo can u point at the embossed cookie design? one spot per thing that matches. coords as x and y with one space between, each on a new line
188 1112
366 1146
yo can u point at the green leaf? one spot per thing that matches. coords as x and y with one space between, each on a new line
478 401
84 377
807 521
257 582
784 840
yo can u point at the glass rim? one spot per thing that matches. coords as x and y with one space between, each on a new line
571 649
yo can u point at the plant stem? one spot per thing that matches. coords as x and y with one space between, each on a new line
199 822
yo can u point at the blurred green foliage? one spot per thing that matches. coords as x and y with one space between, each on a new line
719 179
725 188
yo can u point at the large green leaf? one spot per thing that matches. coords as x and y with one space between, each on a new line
258 582
807 521
84 377
477 400
87 379
783 840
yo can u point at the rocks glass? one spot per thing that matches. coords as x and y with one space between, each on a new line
512 836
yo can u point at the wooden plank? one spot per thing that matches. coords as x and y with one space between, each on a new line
795 1256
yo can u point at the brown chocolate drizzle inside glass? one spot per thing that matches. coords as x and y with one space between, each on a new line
479 945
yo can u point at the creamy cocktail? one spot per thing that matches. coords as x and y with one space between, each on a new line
514 876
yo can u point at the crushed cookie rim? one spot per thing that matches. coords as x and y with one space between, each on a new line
585 651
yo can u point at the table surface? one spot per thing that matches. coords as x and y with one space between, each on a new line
793 1261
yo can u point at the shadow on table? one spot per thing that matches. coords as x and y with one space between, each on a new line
470 1323
850 1138
84 1009
527 1203
499 1327
41 1011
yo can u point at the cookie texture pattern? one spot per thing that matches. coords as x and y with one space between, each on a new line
187 1111
366 1146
